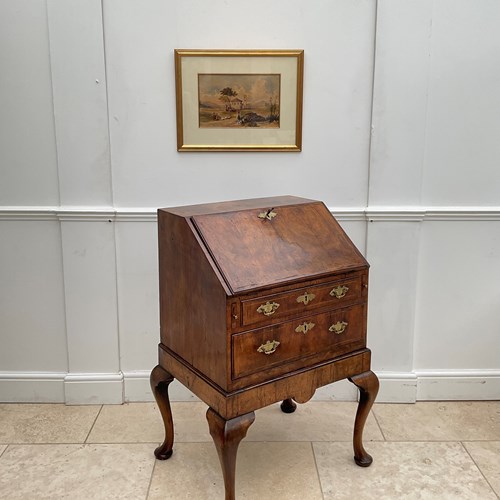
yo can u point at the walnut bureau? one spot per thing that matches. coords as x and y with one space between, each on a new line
261 300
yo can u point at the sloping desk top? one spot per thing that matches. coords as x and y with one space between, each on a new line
293 239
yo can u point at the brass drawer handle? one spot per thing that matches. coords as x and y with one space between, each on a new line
305 327
338 327
268 308
269 347
339 291
306 298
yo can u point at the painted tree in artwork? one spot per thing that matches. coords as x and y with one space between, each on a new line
225 96
274 114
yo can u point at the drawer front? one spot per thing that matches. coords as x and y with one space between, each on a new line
335 294
301 338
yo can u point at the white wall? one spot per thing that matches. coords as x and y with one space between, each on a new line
434 197
404 151
147 169
27 137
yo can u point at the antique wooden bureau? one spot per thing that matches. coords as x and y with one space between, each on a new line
261 301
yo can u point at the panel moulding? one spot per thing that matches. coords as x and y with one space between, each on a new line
148 214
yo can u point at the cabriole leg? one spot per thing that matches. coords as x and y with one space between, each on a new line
368 384
160 380
227 435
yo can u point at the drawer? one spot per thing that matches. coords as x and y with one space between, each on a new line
264 348
334 294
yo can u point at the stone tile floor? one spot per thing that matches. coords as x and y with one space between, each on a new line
428 450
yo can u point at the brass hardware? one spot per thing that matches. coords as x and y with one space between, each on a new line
235 316
269 214
305 327
269 347
306 298
268 308
338 327
339 291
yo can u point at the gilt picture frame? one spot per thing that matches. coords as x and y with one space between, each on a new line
239 100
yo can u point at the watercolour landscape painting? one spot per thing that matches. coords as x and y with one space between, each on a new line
239 100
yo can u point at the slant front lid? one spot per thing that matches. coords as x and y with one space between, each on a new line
261 247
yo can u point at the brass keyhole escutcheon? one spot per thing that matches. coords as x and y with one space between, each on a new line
306 298
268 214
268 308
338 327
305 327
269 347
339 291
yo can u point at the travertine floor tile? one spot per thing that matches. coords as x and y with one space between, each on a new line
440 421
76 471
313 421
45 423
264 471
441 471
487 458
142 423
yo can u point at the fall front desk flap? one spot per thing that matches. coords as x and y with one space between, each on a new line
280 241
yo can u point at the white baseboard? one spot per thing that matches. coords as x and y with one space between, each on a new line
31 387
397 387
93 388
137 388
458 385
343 390
90 388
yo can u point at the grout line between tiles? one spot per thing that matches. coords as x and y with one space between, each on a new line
93 423
378 423
151 479
1 454
408 441
443 440
317 471
155 443
81 444
479 468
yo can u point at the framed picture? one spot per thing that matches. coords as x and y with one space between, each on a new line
239 100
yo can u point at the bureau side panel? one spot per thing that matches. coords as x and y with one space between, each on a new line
192 300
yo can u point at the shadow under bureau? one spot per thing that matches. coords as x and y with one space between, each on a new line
261 300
